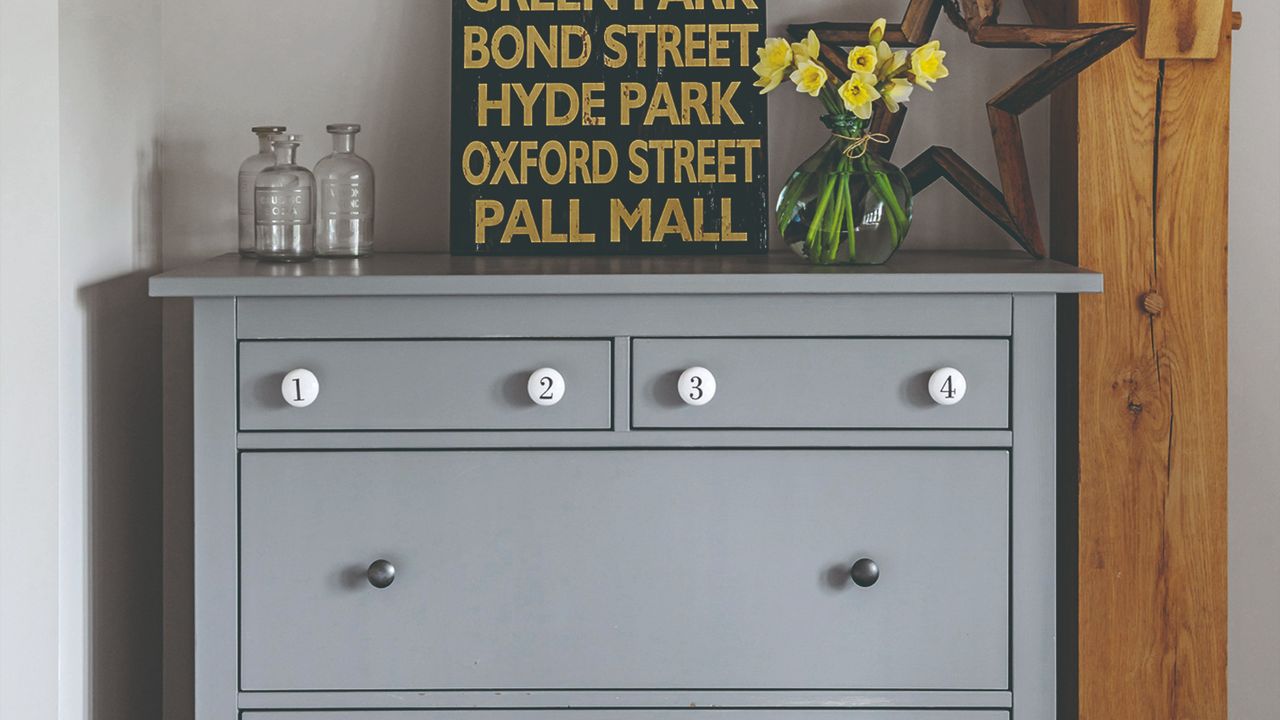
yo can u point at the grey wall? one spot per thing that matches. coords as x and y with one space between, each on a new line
1254 545
386 65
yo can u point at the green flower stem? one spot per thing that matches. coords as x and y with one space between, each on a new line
815 226
849 219
897 217
836 219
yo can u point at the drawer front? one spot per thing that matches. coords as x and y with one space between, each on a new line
636 715
625 570
427 385
821 383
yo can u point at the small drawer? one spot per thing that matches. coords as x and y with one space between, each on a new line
813 383
426 385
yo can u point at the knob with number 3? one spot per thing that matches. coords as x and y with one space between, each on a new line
300 388
697 386
546 387
947 386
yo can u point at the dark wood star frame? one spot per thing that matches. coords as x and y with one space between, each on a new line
1075 47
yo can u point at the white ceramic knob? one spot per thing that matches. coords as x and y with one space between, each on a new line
947 386
697 386
300 388
546 387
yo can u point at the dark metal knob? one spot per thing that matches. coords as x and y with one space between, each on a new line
381 574
865 573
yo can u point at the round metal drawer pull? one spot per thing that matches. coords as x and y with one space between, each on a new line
546 387
381 574
697 386
865 573
300 388
948 386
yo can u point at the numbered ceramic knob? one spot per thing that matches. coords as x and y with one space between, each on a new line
300 388
697 386
947 386
546 387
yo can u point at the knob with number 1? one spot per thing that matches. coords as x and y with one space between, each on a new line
300 388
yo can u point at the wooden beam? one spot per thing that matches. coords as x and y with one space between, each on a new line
1181 29
1140 193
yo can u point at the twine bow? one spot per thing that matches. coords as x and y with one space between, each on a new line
858 145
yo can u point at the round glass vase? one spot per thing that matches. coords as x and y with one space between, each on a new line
844 205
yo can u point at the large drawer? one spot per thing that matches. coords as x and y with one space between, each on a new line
624 570
426 385
798 383
577 714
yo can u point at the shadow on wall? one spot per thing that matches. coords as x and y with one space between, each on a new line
123 498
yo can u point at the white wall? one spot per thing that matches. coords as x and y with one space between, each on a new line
1254 545
28 359
80 490
109 333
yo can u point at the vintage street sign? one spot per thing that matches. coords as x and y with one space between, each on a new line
608 126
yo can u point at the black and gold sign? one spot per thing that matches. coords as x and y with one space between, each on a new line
608 126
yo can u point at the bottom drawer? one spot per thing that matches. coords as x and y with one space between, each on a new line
634 715
639 715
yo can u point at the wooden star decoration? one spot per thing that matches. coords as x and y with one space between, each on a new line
1075 47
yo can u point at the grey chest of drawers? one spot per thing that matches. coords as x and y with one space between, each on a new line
696 489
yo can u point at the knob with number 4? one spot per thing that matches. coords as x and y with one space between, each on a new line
947 386
546 387
697 386
300 388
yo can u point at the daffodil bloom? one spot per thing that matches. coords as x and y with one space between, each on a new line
889 61
807 49
858 93
809 77
895 92
926 65
863 59
769 83
877 31
775 59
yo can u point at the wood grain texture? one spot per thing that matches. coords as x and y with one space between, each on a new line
1150 211
1181 29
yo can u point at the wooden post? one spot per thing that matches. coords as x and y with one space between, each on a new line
1140 194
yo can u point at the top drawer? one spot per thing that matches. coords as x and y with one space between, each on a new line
427 385
815 383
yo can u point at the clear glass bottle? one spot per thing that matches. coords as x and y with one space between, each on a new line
346 198
284 206
249 170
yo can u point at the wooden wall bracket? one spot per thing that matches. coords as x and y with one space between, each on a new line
1075 46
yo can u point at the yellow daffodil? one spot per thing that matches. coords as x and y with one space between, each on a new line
891 62
775 59
863 59
769 82
926 64
895 92
877 31
809 77
858 93
807 49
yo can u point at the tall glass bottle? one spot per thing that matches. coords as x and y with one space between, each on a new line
346 198
284 206
249 170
